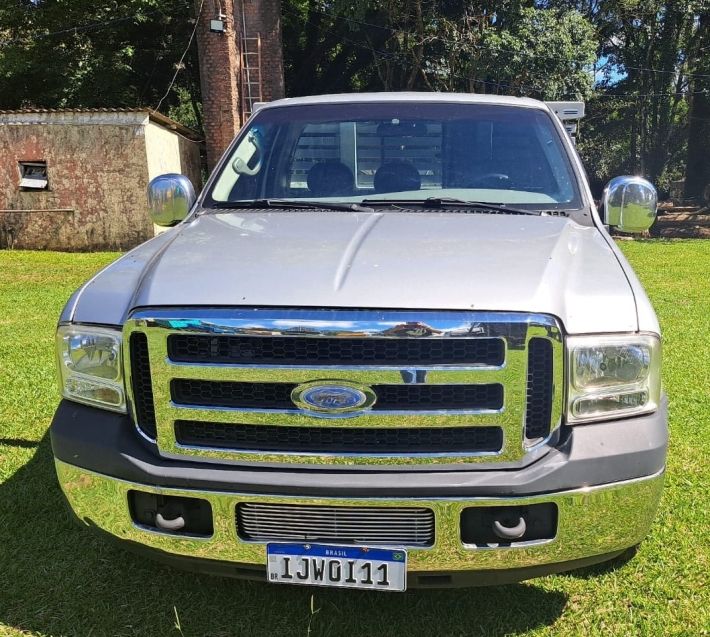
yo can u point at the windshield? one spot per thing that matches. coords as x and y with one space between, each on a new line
400 151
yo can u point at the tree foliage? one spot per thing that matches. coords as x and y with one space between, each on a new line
95 53
509 47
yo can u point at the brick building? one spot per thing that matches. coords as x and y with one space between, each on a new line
76 179
241 62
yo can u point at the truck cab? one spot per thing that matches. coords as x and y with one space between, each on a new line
391 343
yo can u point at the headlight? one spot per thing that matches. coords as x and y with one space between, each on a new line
612 376
90 369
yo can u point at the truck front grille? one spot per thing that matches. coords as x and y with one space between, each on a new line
339 440
443 388
388 526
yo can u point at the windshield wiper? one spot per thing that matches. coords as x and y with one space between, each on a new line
298 204
451 202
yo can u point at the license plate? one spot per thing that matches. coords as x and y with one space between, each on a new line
340 566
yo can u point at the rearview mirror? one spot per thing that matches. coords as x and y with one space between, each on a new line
630 204
170 199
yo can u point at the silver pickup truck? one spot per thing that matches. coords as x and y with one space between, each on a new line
390 344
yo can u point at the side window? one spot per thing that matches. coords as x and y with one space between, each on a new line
498 154
560 186
378 143
317 143
517 153
33 175
241 176
362 148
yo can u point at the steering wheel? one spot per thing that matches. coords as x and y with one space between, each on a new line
241 167
490 178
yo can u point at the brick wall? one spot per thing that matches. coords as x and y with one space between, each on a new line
220 65
263 18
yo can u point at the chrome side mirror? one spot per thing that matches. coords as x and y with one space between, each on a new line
170 199
630 204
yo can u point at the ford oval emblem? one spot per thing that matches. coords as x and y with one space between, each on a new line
333 398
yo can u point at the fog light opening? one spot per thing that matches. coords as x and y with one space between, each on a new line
174 515
501 526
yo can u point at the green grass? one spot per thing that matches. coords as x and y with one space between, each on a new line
58 580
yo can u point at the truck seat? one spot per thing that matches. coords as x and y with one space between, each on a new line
397 176
330 178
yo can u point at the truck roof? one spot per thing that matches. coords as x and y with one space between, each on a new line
407 96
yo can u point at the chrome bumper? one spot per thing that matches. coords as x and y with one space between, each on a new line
591 521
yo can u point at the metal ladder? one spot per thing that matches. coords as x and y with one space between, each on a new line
251 85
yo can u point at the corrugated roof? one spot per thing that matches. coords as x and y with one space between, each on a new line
155 116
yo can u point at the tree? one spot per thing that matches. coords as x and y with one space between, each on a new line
545 53
320 52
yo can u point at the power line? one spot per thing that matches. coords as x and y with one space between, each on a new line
94 26
641 68
179 65
636 95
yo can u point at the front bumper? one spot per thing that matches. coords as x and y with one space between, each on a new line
606 488
593 521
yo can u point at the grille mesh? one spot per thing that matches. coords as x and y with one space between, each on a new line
294 350
142 384
390 397
422 397
538 411
396 526
355 440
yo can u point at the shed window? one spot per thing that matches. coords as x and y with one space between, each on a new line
33 175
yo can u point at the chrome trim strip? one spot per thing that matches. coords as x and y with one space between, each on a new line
312 368
592 520
159 533
345 415
334 323
516 329
144 435
375 375
337 455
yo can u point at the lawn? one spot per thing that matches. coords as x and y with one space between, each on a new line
57 580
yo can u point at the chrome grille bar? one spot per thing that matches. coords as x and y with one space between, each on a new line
514 330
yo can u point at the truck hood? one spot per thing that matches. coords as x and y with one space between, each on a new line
402 260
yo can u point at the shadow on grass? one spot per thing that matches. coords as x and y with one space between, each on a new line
19 442
57 579
590 572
